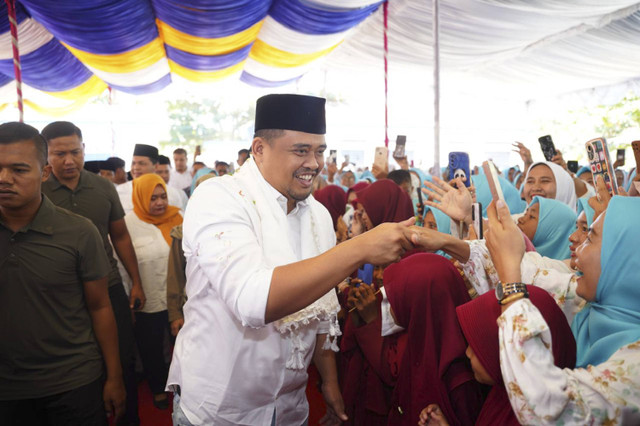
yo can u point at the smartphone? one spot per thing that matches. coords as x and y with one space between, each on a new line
346 158
476 216
636 152
620 156
333 156
600 162
382 157
401 142
492 178
459 167
548 148
572 166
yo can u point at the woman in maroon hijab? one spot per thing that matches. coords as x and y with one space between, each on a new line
478 320
370 362
334 199
424 291
383 201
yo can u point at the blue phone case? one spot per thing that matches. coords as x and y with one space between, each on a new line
459 166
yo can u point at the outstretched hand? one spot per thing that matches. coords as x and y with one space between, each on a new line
454 202
386 243
525 154
432 415
505 242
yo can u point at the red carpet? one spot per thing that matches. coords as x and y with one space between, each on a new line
151 416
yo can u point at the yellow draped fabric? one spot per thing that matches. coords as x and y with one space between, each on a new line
90 88
269 55
207 46
133 60
204 76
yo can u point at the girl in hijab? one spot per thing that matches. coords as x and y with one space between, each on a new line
335 200
604 386
478 320
382 201
549 180
423 292
149 226
584 173
548 224
201 172
370 361
351 205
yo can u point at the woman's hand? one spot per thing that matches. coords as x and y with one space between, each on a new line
357 224
505 242
525 154
426 239
454 202
363 298
432 415
600 202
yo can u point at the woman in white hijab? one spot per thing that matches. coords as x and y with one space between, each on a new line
549 180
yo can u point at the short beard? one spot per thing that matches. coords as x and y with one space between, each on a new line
299 197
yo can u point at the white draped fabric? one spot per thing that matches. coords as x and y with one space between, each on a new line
534 46
31 36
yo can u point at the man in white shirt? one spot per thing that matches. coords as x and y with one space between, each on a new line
261 274
180 176
145 158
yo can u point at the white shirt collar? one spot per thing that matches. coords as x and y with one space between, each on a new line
282 200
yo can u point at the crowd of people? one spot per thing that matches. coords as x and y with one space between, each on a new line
222 285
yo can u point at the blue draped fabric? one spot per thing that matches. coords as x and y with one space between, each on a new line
259 82
5 79
207 63
97 26
211 18
147 88
51 68
308 19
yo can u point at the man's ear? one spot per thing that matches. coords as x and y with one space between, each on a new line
46 171
258 145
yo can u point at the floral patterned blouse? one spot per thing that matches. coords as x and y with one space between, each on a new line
541 393
552 275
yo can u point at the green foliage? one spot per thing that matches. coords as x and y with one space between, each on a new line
193 123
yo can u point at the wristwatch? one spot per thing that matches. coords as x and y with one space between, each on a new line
505 290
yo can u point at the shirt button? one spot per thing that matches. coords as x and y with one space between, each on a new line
400 410
12 255
13 240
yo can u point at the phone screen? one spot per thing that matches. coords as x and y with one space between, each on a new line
333 156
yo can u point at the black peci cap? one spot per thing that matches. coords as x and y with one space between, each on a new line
291 112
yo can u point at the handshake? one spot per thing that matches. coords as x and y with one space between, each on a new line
388 242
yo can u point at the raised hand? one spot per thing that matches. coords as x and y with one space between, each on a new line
454 202
559 160
505 242
600 202
525 154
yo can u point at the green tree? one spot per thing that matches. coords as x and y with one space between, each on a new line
195 122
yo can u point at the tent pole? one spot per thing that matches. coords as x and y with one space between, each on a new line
436 87
17 68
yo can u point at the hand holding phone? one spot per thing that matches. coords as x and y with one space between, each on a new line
381 158
601 165
401 142
459 167
492 178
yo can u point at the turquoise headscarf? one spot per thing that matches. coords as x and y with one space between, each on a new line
556 222
511 194
583 204
613 319
442 220
368 176
422 176
583 169
201 172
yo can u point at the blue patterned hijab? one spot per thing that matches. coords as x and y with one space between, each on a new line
556 222
613 319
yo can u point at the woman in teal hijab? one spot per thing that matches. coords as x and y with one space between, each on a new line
612 319
583 206
555 223
438 218
368 176
511 194
201 172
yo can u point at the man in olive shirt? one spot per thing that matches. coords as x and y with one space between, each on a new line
95 198
54 304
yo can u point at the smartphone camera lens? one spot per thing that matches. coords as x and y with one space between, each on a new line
590 152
